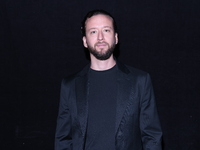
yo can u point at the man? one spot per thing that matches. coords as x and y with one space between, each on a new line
108 105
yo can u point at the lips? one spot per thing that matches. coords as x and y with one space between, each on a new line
101 44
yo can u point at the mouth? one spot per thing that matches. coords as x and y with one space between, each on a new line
101 45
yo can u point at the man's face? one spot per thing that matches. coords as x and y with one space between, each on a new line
100 38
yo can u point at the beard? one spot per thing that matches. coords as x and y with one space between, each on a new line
102 54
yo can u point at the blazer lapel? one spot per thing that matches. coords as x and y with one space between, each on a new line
124 89
82 101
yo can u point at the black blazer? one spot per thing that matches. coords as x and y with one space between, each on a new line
137 123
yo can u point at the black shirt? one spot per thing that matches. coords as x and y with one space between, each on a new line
102 110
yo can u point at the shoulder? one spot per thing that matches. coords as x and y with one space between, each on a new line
136 72
131 71
138 75
74 76
133 74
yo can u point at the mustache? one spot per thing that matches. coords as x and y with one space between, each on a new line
101 43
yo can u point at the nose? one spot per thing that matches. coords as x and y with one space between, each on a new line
100 36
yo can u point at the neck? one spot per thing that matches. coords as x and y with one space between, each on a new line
101 65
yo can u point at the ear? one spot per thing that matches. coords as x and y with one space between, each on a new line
85 42
116 38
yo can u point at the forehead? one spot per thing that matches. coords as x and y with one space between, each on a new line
98 21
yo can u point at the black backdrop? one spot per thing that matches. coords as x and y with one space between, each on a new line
41 44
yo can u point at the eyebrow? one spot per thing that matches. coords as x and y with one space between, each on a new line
103 27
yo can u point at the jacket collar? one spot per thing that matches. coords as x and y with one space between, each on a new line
121 67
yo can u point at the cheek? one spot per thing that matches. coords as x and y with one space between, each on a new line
91 42
113 41
110 39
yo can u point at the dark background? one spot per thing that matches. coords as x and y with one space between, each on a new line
40 43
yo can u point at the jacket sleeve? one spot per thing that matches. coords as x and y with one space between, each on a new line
63 139
149 121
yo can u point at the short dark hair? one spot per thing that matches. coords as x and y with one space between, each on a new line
97 12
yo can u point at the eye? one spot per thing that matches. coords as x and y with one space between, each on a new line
107 30
93 32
